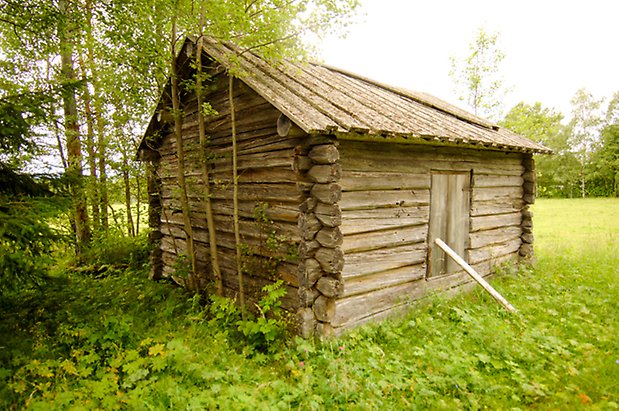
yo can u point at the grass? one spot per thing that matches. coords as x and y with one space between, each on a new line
124 342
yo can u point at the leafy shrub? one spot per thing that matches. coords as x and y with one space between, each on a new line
26 239
113 251
258 333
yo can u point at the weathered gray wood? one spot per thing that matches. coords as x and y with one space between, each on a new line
496 193
376 261
330 286
309 272
504 205
527 238
330 237
324 154
331 259
495 250
384 239
438 223
328 214
324 308
383 279
363 200
327 193
283 125
308 226
374 180
301 163
307 296
498 235
366 220
491 180
308 205
308 249
495 221
328 173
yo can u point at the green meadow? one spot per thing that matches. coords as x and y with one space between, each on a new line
120 341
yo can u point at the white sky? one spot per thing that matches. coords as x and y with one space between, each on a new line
552 47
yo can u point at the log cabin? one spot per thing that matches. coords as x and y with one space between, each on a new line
343 183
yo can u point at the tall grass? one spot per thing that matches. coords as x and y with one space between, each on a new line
122 342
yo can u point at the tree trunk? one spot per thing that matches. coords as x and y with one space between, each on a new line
127 185
138 203
100 158
74 148
210 221
235 196
178 128
90 149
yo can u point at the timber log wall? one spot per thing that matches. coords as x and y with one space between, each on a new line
268 194
385 208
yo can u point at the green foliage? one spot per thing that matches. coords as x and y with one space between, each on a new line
477 77
113 251
262 331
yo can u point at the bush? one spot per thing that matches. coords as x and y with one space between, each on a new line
113 251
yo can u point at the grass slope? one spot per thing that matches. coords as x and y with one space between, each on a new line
124 342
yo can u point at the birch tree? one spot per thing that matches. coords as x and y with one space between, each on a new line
477 76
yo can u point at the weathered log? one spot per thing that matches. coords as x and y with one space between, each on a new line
383 279
365 200
304 186
324 154
327 193
526 250
307 322
495 221
309 225
376 180
307 249
331 259
384 259
301 163
307 296
329 215
330 287
529 198
492 180
494 250
328 173
529 175
527 238
283 125
309 272
398 236
529 187
324 308
330 237
308 204
498 235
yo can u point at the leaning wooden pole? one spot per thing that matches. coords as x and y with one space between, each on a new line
235 196
494 293
210 221
180 153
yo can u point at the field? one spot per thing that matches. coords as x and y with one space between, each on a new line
123 342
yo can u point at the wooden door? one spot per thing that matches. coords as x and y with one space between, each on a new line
450 198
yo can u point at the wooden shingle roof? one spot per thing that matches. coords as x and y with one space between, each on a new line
322 99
